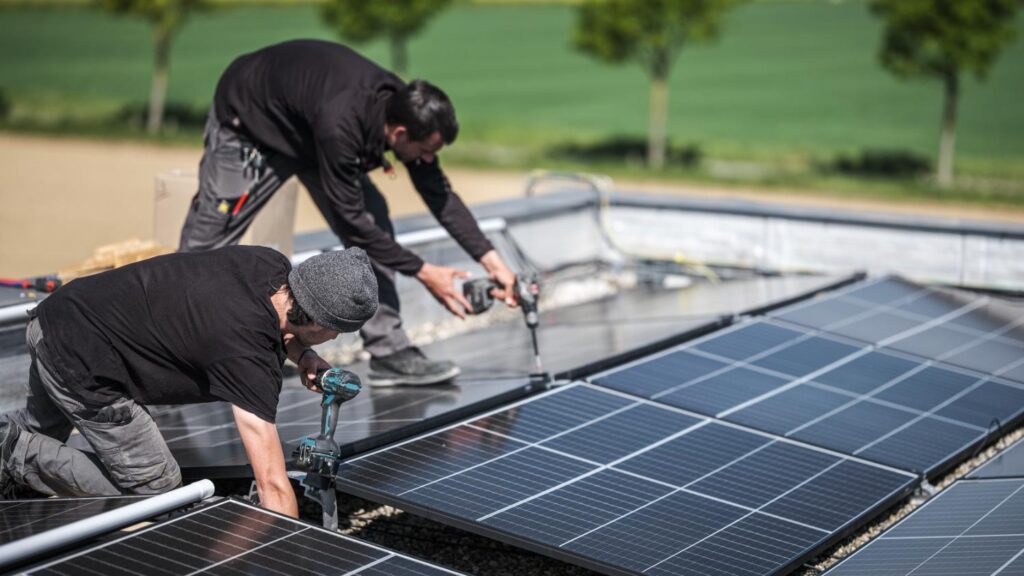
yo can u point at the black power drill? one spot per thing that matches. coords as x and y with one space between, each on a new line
527 289
318 455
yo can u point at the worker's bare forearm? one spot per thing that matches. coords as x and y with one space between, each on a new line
263 447
279 498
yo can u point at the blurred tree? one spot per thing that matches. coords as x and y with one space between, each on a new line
650 32
943 39
361 21
166 16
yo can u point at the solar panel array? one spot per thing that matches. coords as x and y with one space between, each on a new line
232 538
974 528
743 452
850 372
23 518
627 486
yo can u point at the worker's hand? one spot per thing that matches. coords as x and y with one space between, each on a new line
501 274
309 364
440 281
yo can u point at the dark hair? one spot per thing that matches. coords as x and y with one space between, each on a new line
296 315
423 109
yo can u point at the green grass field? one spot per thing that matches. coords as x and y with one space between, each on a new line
789 83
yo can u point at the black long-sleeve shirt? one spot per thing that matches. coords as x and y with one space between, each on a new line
322 104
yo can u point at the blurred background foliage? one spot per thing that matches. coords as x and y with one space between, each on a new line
791 94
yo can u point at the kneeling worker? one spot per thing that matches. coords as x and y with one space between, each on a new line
176 329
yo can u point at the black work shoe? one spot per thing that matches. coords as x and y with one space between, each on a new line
409 367
9 432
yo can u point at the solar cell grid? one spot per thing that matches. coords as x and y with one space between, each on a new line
788 410
647 379
233 538
741 549
922 444
867 372
977 332
621 434
723 391
973 527
883 291
750 341
806 356
23 518
683 489
876 403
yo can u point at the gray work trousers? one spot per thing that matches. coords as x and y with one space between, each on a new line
130 457
219 216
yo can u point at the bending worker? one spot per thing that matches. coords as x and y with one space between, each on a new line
175 329
322 112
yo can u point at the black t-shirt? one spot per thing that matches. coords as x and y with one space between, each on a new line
175 329
322 105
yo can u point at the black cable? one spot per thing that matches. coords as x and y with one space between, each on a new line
998 426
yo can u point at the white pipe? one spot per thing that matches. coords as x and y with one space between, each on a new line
17 314
19 551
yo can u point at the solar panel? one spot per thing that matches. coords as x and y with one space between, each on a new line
982 333
1008 463
231 537
625 486
972 528
793 376
23 518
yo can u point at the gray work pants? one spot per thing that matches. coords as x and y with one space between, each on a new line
214 222
130 454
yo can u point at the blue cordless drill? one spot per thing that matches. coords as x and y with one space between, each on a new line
318 455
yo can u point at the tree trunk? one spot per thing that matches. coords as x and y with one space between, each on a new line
657 121
399 54
158 90
657 128
948 141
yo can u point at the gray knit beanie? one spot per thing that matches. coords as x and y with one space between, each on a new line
337 289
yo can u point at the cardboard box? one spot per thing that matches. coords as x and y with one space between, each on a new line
274 226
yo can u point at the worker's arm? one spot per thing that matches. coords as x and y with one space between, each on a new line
263 446
308 361
451 212
498 271
447 207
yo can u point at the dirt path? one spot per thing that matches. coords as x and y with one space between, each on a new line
61 198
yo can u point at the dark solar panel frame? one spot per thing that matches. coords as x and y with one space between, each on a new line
827 537
25 517
142 543
974 527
